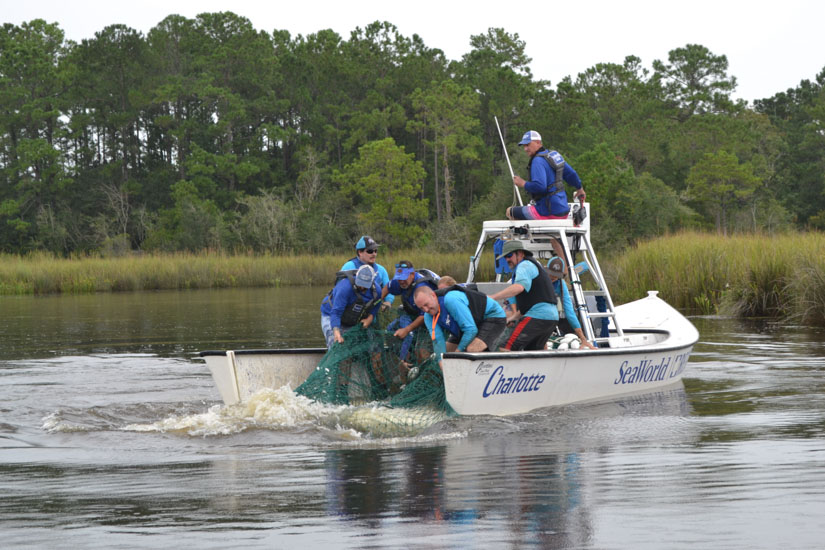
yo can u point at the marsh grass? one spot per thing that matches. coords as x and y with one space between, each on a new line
43 274
780 276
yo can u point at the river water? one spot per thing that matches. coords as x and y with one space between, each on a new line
112 435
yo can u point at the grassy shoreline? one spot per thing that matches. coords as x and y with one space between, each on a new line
43 274
780 276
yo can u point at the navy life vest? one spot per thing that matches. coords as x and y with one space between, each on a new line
541 289
478 305
556 162
356 311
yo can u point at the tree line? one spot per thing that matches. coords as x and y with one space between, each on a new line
209 134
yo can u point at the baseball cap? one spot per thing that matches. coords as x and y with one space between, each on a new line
555 267
403 270
366 242
529 135
364 276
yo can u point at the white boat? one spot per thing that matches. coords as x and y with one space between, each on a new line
645 348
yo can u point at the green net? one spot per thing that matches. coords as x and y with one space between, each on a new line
395 385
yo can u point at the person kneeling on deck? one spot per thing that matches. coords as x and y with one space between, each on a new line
472 321
570 323
355 299
535 300
403 284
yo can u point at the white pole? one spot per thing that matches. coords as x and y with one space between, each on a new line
515 187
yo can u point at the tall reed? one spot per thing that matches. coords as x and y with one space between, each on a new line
43 274
745 275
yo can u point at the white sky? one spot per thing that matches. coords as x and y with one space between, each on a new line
770 46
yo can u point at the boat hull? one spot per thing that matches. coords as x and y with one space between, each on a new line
505 384
239 374
651 354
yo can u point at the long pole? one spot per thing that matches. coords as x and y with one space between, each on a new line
512 175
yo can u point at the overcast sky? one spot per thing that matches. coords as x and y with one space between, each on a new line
770 46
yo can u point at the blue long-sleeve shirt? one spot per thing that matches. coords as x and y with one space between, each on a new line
343 294
458 307
380 275
543 180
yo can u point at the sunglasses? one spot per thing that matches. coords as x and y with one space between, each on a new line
508 256
401 266
371 250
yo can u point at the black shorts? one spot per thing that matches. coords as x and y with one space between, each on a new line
530 334
488 332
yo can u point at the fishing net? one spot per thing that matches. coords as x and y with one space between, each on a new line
396 384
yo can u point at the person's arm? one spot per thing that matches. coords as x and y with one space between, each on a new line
512 312
522 282
340 299
374 310
459 309
507 292
386 292
571 178
567 304
570 315
539 181
404 331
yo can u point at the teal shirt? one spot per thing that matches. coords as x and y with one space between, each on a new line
526 272
458 306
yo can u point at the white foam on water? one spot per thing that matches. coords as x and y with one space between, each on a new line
266 409
55 423
283 409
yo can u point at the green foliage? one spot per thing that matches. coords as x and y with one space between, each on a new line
696 81
720 183
206 132
384 184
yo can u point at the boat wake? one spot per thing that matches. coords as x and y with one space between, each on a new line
282 409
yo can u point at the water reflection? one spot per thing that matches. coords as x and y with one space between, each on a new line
167 323
457 491
731 459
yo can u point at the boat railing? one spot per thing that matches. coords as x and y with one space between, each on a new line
568 239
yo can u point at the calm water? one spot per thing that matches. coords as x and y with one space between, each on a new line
112 436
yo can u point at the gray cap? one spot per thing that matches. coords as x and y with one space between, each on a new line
364 276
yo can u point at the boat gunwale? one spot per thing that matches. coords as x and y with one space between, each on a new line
282 351
651 348
495 354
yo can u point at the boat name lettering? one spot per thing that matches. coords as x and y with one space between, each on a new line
483 368
498 384
648 370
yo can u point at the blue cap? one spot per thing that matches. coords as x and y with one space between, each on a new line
529 135
403 269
